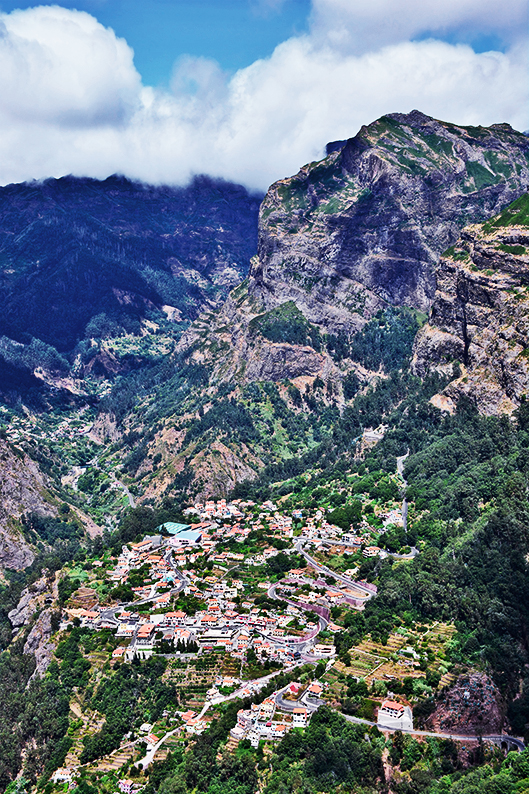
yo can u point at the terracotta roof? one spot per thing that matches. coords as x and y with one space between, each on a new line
392 704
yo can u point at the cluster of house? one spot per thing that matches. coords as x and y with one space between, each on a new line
221 623
288 708
219 509
319 533
219 626
170 555
278 714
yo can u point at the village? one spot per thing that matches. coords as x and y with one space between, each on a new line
227 616
207 590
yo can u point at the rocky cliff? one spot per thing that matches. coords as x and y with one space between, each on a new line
35 609
479 322
232 342
23 488
365 227
353 234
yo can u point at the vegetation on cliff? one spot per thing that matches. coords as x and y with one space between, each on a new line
113 412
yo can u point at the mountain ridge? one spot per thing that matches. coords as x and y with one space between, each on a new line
370 220
82 259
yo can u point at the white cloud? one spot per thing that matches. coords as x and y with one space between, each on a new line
72 102
63 66
361 25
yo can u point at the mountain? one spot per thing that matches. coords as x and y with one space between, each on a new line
479 321
343 279
364 227
359 398
352 235
83 259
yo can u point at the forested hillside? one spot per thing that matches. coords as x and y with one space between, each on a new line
241 517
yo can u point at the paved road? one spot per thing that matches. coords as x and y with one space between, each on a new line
301 643
110 613
290 705
255 685
149 756
323 569
457 736
132 501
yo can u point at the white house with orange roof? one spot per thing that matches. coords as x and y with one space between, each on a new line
394 715
299 717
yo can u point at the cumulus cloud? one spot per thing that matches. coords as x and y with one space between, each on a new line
360 25
71 100
60 66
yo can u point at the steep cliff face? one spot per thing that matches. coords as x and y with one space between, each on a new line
35 607
233 344
354 233
22 489
365 226
479 319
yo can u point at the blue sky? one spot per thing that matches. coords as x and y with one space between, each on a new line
247 90
233 32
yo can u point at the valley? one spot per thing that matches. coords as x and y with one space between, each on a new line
264 475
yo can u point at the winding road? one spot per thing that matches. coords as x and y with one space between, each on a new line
327 571
110 613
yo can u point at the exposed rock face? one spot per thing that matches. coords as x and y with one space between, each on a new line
480 314
38 642
220 468
37 597
365 226
472 706
28 603
22 488
357 231
235 349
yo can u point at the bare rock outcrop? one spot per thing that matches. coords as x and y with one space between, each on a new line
479 322
23 488
31 599
230 342
38 642
364 227
472 706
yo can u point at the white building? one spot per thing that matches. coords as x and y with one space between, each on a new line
394 715
299 717
62 776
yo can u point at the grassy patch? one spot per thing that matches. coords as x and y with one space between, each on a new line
513 249
516 214
287 324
